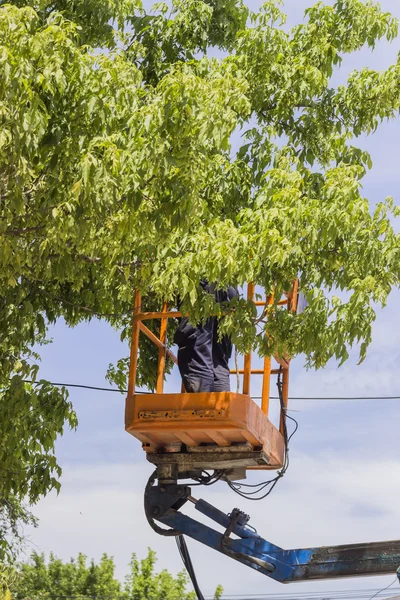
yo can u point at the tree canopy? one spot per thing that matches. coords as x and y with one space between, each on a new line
42 580
119 170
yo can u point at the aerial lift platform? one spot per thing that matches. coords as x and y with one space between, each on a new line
184 434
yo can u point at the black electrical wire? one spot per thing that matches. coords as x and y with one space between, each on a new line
327 594
84 387
103 389
271 483
354 594
384 589
339 595
334 397
184 552
351 595
208 479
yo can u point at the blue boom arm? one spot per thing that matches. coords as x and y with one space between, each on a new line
377 558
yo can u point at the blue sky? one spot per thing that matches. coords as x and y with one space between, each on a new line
344 480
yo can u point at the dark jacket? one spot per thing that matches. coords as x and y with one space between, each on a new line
186 334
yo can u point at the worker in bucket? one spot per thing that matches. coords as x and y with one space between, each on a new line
203 358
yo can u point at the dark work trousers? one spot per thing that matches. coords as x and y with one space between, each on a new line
203 360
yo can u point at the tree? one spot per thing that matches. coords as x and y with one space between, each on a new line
143 583
40 580
13 516
117 172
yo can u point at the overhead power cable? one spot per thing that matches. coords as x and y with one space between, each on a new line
319 595
82 386
355 594
384 589
114 390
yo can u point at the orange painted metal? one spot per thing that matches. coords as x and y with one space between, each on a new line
252 372
160 421
294 296
157 315
161 353
282 361
134 344
285 394
157 342
280 303
151 335
163 422
267 370
247 358
266 385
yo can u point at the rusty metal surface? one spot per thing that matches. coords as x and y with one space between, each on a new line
212 449
223 458
182 414
374 558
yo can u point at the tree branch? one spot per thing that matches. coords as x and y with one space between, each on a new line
22 231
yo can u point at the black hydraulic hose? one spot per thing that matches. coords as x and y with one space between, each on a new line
149 516
187 561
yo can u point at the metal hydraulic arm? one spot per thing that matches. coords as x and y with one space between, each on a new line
162 503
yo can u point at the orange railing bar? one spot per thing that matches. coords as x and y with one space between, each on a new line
255 371
134 345
162 353
157 315
281 361
267 371
262 303
247 358
158 342
146 316
151 336
294 296
285 394
266 384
